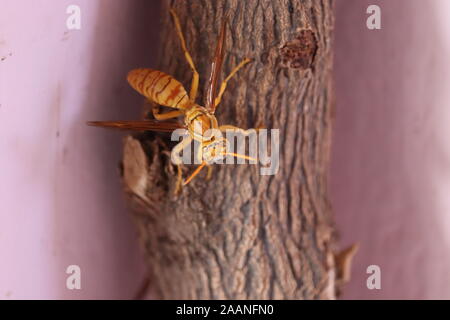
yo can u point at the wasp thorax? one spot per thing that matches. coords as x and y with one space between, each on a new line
201 124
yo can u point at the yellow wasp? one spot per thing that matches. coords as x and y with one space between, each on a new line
200 121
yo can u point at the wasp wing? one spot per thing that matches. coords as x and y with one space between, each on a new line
144 125
216 67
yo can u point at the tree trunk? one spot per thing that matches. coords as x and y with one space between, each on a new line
242 235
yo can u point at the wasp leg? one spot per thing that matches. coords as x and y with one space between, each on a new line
210 167
196 172
146 109
230 127
195 77
199 156
209 174
247 132
223 86
179 183
165 116
175 157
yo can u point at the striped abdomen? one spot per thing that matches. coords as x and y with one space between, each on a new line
159 87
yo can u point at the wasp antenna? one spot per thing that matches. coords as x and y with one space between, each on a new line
237 155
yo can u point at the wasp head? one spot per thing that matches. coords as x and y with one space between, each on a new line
215 150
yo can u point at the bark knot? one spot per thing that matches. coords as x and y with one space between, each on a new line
300 52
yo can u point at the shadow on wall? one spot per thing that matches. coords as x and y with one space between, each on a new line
390 158
125 37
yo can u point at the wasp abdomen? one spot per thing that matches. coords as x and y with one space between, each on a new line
159 87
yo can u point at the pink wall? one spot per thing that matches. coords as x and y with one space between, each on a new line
60 193
391 154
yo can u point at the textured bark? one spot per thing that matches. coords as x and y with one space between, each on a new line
242 235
